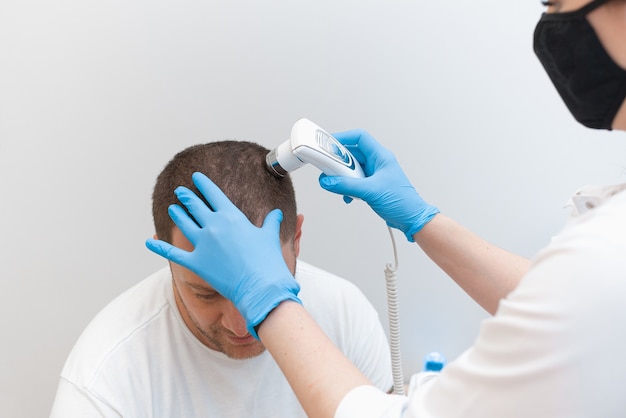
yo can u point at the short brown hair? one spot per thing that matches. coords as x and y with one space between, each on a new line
238 169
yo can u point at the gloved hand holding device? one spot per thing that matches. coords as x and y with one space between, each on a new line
241 261
385 188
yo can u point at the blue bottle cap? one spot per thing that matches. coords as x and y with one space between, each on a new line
434 362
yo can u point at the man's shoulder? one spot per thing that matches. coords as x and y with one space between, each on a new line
326 294
312 277
118 322
141 299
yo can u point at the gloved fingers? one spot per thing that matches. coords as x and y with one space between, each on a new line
346 186
327 183
367 151
198 208
187 225
167 251
213 194
272 221
357 154
359 138
375 154
348 138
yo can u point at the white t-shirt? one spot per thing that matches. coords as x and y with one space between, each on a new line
137 358
555 347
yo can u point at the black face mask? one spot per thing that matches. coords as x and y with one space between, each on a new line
591 84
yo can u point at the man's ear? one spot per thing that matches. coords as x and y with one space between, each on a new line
298 234
155 236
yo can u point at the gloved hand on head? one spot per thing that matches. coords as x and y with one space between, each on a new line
385 188
241 261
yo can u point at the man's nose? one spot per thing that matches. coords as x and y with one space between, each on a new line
233 321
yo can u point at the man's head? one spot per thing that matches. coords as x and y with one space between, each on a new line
581 45
238 169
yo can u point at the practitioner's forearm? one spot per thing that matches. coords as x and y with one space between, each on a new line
318 372
487 273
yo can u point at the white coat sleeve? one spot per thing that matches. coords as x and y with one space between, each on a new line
369 402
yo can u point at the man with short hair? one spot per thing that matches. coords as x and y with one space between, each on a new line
171 346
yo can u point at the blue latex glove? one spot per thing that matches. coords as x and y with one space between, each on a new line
385 188
241 261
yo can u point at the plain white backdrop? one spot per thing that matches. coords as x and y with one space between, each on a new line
95 97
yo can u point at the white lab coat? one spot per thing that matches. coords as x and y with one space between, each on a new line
555 347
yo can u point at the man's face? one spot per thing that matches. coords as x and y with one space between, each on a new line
211 318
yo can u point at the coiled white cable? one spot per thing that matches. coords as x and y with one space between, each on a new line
394 321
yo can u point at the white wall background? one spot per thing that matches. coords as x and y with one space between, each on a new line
96 96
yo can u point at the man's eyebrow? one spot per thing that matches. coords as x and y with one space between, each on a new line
200 287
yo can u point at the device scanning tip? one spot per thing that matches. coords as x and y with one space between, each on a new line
273 166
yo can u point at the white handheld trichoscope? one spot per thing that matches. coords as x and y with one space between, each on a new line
310 144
